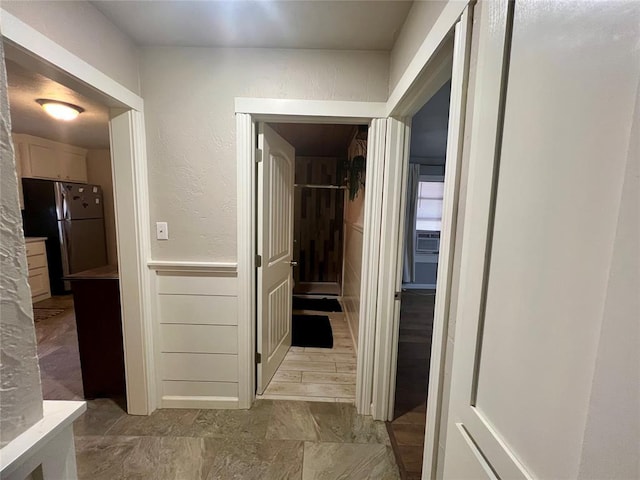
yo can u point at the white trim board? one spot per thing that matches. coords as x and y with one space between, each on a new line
433 41
210 403
193 267
309 111
39 46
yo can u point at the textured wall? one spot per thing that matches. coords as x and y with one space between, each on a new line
420 20
190 123
20 393
99 173
83 30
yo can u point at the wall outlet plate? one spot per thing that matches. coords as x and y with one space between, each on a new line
162 231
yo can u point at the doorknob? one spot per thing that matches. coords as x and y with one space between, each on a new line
293 263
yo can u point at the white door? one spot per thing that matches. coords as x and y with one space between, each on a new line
275 248
541 213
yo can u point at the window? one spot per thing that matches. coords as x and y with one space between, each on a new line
429 208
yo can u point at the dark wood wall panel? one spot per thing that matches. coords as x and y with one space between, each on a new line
318 221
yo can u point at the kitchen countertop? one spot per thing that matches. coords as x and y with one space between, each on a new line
106 272
34 239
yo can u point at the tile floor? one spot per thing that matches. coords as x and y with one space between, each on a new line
58 354
414 348
274 440
318 374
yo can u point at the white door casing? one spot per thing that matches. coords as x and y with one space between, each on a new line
275 247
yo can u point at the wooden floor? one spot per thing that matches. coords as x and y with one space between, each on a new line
58 354
406 431
318 374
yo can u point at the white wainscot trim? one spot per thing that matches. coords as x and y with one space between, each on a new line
229 268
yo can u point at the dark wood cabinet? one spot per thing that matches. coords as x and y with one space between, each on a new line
96 296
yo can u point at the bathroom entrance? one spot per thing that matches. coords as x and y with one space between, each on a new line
309 351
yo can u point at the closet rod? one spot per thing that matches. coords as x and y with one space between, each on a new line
331 187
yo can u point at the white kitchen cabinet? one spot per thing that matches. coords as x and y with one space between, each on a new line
38 269
46 159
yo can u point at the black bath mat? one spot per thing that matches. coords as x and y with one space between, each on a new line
316 304
311 331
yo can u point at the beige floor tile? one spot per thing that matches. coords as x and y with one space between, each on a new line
289 376
323 378
322 357
336 349
303 398
311 389
346 367
308 366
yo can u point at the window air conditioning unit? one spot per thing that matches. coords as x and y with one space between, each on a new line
428 242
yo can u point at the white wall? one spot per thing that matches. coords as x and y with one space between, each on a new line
189 108
83 30
99 173
420 20
20 392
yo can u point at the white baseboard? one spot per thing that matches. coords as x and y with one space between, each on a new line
211 403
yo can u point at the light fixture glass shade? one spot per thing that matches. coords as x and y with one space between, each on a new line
60 110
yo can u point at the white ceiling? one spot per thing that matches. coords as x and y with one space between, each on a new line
89 130
323 24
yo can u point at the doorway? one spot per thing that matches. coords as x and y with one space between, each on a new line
326 194
31 51
67 202
423 202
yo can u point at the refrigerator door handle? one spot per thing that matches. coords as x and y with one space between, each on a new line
61 210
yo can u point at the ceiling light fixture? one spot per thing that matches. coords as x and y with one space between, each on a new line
60 110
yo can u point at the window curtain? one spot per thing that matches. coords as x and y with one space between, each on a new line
413 180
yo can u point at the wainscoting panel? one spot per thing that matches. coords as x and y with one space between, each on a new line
199 389
171 283
198 367
198 309
196 335
199 338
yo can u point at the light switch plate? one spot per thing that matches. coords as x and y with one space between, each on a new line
162 231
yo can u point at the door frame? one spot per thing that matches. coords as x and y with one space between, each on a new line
448 55
249 111
35 51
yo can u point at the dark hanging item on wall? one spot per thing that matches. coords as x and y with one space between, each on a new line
354 170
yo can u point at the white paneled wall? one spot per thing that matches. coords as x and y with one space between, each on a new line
351 278
197 338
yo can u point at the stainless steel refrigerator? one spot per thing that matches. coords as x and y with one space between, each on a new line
71 216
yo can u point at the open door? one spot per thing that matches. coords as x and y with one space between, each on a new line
275 251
